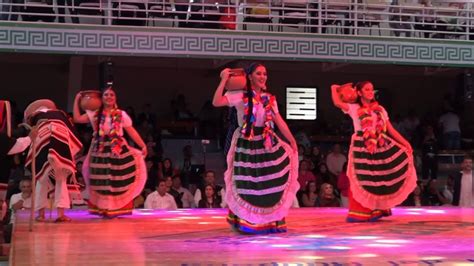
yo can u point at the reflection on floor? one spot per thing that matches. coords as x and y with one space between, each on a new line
316 236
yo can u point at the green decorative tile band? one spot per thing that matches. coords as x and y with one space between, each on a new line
180 42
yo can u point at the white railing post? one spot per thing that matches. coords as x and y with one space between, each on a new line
320 15
109 12
355 14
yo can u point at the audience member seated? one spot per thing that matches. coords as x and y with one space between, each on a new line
344 186
17 173
62 7
301 152
20 201
316 157
139 201
433 196
327 198
159 199
210 179
170 190
415 198
129 13
310 195
425 23
10 149
42 12
400 23
304 174
202 11
335 160
323 175
165 168
186 197
210 199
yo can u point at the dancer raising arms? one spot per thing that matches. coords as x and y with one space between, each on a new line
261 178
115 173
380 166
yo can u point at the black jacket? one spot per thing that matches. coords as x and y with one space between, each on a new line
457 188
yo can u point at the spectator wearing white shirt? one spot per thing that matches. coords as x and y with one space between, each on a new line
160 199
335 160
186 197
21 201
449 123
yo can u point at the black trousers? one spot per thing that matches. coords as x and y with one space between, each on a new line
429 167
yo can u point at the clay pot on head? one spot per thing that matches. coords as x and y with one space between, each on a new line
91 100
347 93
237 80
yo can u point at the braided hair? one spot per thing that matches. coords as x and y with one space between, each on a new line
248 71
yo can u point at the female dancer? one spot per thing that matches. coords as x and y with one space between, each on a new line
115 172
380 166
261 178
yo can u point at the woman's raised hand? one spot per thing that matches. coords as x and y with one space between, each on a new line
225 74
78 97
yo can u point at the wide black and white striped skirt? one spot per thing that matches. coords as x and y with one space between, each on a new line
261 183
383 179
114 180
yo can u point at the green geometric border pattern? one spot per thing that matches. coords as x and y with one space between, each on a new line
225 44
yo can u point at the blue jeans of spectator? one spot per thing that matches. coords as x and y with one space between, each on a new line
452 140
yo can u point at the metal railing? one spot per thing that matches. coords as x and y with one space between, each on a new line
446 19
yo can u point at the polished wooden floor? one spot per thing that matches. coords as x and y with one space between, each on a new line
427 236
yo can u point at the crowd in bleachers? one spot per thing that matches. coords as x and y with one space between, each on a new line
410 18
